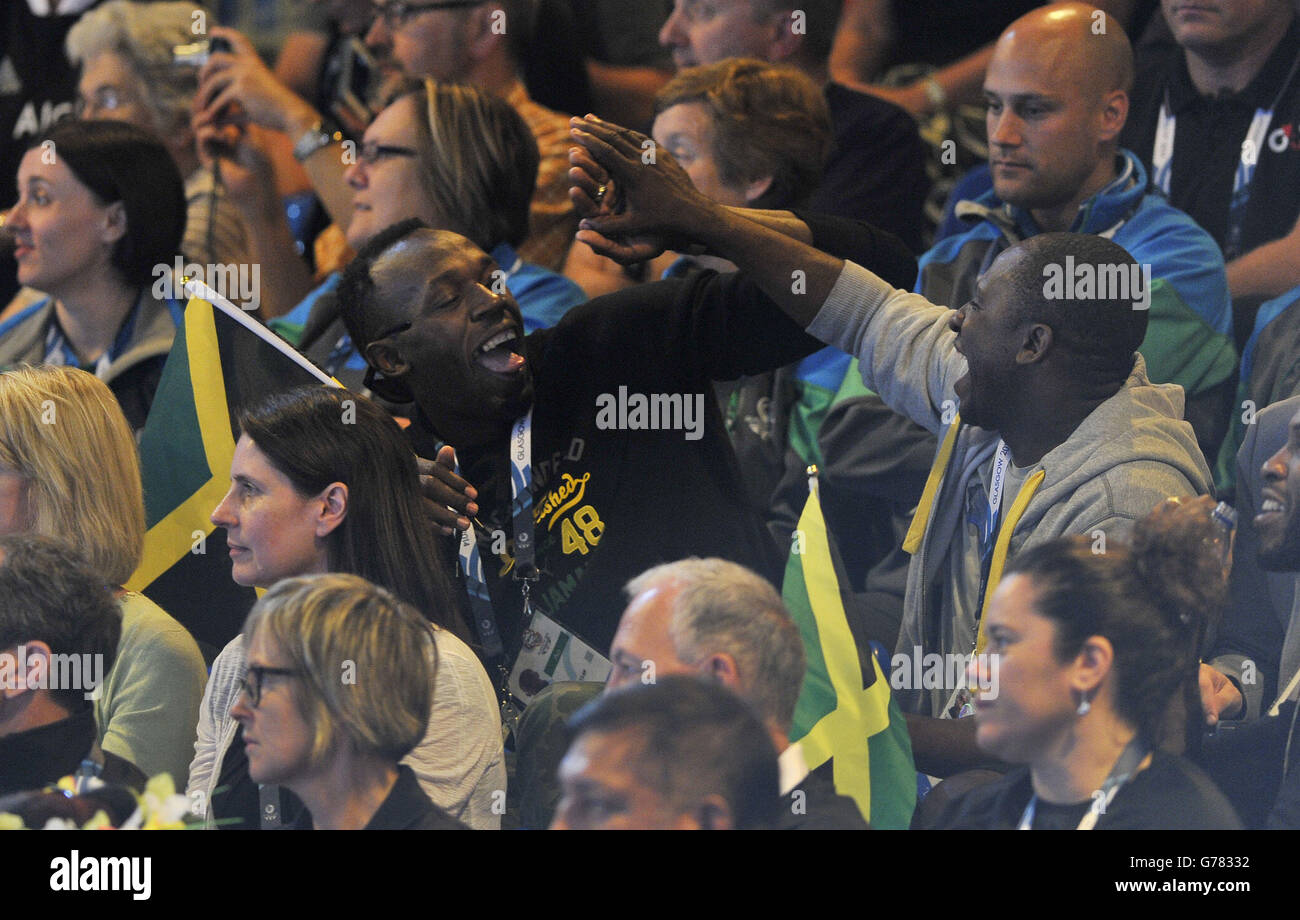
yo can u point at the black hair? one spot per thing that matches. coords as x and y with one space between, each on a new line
1100 333
118 161
317 435
48 593
1154 600
357 286
697 739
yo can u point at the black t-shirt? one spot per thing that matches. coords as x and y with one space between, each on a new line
610 504
1171 794
876 169
1208 137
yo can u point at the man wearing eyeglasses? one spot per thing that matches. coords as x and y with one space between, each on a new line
481 42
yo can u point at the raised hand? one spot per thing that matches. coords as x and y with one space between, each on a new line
239 80
634 197
246 170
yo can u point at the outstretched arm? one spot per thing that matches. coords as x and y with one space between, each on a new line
654 204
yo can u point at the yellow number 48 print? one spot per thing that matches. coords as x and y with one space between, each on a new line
592 527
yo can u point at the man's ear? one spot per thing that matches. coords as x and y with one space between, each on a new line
1036 344
334 508
385 356
722 667
1112 115
114 227
23 668
757 189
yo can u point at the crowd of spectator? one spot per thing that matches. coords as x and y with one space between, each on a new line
615 299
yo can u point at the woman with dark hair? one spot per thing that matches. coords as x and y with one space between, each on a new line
323 480
100 214
1088 657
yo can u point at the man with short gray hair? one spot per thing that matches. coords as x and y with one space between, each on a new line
719 620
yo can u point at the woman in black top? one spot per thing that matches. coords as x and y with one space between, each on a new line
1087 652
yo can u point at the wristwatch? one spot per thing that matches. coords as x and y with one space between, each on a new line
935 94
313 139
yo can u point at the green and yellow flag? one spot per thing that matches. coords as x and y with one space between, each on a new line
844 716
221 358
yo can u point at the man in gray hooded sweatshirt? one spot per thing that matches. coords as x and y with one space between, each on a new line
1048 423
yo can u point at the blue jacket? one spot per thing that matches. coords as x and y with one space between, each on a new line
1189 332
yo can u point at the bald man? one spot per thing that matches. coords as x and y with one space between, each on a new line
1057 94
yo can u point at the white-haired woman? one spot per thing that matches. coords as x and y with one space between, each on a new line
129 72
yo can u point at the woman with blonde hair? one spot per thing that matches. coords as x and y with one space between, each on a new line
458 159
338 690
52 419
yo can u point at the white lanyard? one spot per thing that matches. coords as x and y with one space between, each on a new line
1129 760
1162 154
1001 461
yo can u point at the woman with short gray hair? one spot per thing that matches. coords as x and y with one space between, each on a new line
130 72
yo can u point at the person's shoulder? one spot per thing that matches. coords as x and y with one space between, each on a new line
980 231
461 674
1159 229
454 653
986 806
146 622
408 807
1172 794
814 805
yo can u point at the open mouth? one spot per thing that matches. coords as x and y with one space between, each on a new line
498 354
1271 505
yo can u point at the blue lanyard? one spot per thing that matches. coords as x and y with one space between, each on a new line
525 568
58 350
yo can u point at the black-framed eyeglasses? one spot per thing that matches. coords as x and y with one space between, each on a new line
370 153
251 683
396 13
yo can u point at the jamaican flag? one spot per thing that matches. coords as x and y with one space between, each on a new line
844 715
220 359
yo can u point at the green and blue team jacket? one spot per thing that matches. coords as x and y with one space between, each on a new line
1189 332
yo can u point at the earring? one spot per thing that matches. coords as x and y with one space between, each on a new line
1085 706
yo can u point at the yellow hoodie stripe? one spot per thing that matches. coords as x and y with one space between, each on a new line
1003 544
916 530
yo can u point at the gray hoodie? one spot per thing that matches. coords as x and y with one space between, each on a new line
1130 453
